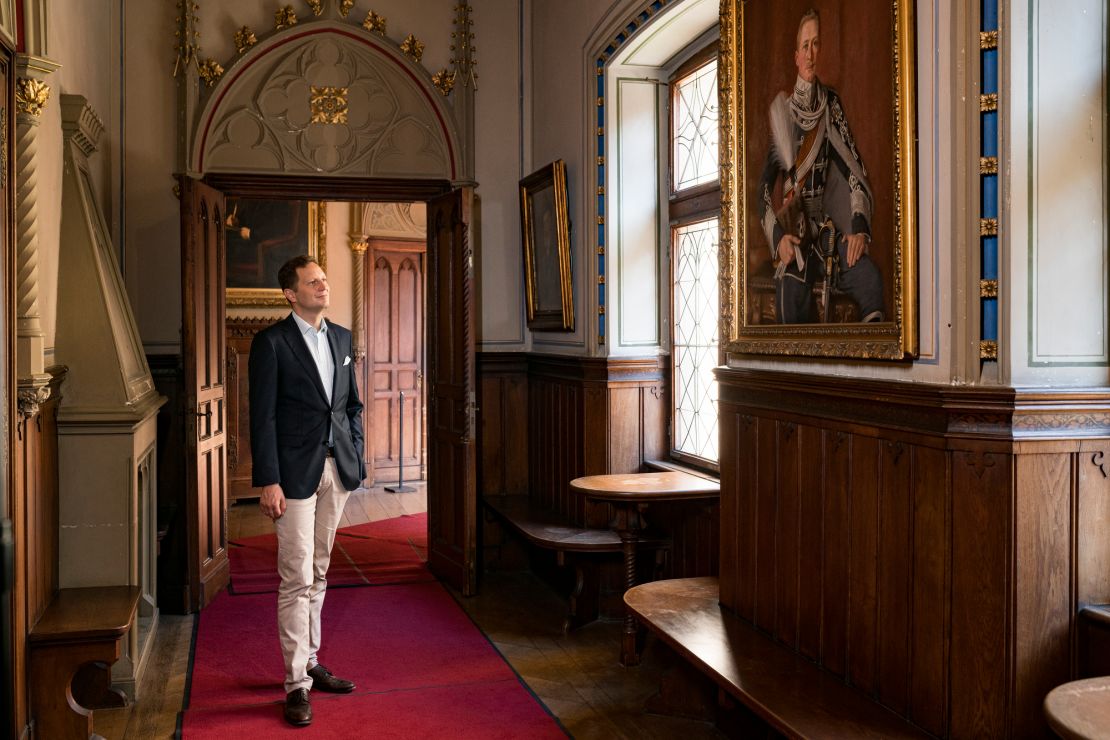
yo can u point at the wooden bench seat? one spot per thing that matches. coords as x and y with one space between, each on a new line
80 626
573 547
788 692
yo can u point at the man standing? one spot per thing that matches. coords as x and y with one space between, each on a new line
306 442
822 229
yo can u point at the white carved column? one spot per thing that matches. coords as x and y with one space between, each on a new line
31 96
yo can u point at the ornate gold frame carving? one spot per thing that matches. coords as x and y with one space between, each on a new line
892 339
552 262
317 240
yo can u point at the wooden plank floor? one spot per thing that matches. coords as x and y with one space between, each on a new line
578 676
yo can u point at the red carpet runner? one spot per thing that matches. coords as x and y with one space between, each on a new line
423 670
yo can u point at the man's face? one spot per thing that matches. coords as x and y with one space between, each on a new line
312 292
805 55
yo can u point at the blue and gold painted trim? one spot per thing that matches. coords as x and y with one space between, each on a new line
988 180
630 27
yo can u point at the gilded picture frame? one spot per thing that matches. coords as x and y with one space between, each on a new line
545 232
261 234
867 61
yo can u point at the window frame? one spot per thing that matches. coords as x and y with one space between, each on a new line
684 207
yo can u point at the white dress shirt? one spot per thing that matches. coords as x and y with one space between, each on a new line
318 347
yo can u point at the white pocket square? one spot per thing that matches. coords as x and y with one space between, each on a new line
347 360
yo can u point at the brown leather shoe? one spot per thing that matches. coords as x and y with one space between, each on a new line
298 711
322 680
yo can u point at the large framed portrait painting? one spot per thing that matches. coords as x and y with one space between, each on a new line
262 234
819 232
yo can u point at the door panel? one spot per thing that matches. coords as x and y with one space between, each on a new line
203 279
396 313
452 493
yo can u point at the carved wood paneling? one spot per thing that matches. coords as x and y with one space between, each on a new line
502 424
240 333
932 549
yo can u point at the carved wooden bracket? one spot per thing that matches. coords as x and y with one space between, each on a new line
1096 460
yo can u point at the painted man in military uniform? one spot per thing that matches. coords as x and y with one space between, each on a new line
823 225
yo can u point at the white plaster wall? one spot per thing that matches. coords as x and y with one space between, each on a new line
152 230
83 38
1054 226
500 164
560 89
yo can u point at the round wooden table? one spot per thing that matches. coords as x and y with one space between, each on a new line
1080 710
630 494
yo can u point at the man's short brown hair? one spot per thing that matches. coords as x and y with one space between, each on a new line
287 275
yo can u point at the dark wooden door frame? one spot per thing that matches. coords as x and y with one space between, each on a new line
358 190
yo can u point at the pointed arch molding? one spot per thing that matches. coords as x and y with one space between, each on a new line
258 117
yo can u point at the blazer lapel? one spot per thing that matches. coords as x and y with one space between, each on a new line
295 340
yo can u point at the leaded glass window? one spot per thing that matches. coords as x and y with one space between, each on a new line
694 123
694 259
695 340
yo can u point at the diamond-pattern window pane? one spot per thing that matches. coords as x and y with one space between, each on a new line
695 339
694 109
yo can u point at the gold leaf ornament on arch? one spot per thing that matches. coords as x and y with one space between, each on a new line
210 71
374 23
329 105
412 47
285 18
316 5
244 39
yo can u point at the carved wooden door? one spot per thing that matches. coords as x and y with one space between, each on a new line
202 276
452 493
395 317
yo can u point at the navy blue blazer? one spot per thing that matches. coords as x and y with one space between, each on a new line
291 416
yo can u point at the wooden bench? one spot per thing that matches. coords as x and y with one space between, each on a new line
787 692
80 626
572 546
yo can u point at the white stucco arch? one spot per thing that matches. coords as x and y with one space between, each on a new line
258 118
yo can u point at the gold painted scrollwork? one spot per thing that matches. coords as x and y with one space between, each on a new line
345 7
316 5
244 39
329 104
413 48
31 95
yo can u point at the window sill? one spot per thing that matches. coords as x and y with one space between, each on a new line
664 465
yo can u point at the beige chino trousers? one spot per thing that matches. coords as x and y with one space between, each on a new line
305 535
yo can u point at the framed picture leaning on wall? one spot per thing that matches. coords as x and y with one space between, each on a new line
819 198
545 231
262 234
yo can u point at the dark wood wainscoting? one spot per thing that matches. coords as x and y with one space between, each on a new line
35 526
930 544
547 419
590 416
